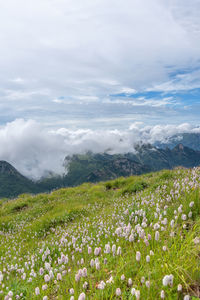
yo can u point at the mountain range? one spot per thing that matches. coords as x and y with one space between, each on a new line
190 140
94 167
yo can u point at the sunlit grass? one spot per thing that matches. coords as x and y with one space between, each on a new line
102 227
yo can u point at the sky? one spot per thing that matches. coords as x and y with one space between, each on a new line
92 70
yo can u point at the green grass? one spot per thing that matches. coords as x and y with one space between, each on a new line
38 229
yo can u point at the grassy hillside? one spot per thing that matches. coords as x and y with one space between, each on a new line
131 238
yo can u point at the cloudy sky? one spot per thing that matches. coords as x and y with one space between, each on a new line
73 67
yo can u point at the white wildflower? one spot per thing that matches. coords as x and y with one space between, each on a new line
118 292
138 255
101 285
82 296
130 282
37 291
179 288
162 294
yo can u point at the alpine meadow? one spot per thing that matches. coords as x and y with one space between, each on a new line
131 238
100 150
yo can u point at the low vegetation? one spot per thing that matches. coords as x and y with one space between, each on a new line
130 238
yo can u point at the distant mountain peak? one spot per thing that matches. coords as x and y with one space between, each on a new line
7 168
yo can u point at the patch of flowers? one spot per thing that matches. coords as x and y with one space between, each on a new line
114 252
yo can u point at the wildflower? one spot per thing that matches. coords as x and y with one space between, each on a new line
118 231
138 255
82 261
10 293
180 209
107 248
149 236
81 296
119 251
44 287
172 223
41 271
51 274
191 204
133 291
162 294
84 272
196 240
147 258
114 249
97 251
165 221
130 282
123 277
97 266
147 283
179 288
118 292
71 291
45 298
156 226
77 277
186 297
157 235
37 291
92 263
142 279
47 266
131 238
85 285
110 280
101 285
137 294
59 276
168 280
183 217
89 250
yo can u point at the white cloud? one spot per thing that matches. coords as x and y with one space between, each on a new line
30 148
142 101
58 101
181 82
90 49
18 80
34 150
62 62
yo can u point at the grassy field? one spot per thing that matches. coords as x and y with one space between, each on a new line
131 238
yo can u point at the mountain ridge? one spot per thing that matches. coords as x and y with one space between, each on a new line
95 167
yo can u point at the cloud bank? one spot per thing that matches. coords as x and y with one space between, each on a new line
63 59
34 150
